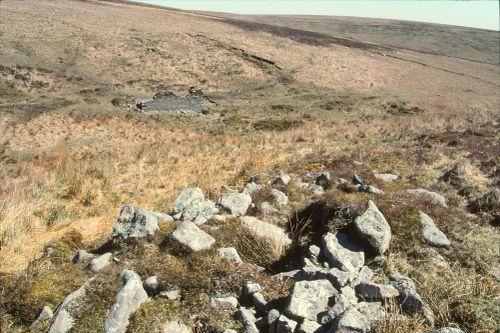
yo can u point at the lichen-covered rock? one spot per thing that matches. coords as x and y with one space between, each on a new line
343 301
409 300
199 211
235 203
248 320
251 288
266 231
374 292
370 189
251 187
309 298
44 314
224 303
192 237
172 294
134 223
229 253
341 253
373 226
128 300
101 262
431 233
184 199
433 196
309 326
151 284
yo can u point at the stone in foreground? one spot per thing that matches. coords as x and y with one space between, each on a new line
431 233
341 253
195 239
128 301
309 298
373 226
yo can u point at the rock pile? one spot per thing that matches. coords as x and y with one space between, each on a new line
333 288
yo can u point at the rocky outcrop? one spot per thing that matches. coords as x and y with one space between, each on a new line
128 301
191 205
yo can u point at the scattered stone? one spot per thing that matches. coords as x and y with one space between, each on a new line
351 321
176 327
279 197
409 300
251 187
365 275
44 314
373 226
272 320
356 180
128 301
282 180
285 325
448 330
199 211
370 189
248 320
431 234
171 294
224 303
82 255
134 223
101 262
438 259
151 284
373 292
229 253
345 300
309 298
251 288
259 301
340 278
189 235
341 253
309 326
433 196
185 198
62 321
386 177
266 231
236 204
316 189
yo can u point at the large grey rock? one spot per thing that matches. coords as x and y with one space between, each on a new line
285 325
433 196
101 262
431 234
134 223
374 292
44 314
235 203
351 321
373 226
386 177
309 298
82 255
176 327
248 320
269 232
185 198
128 300
341 253
62 321
229 253
279 197
195 239
224 303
